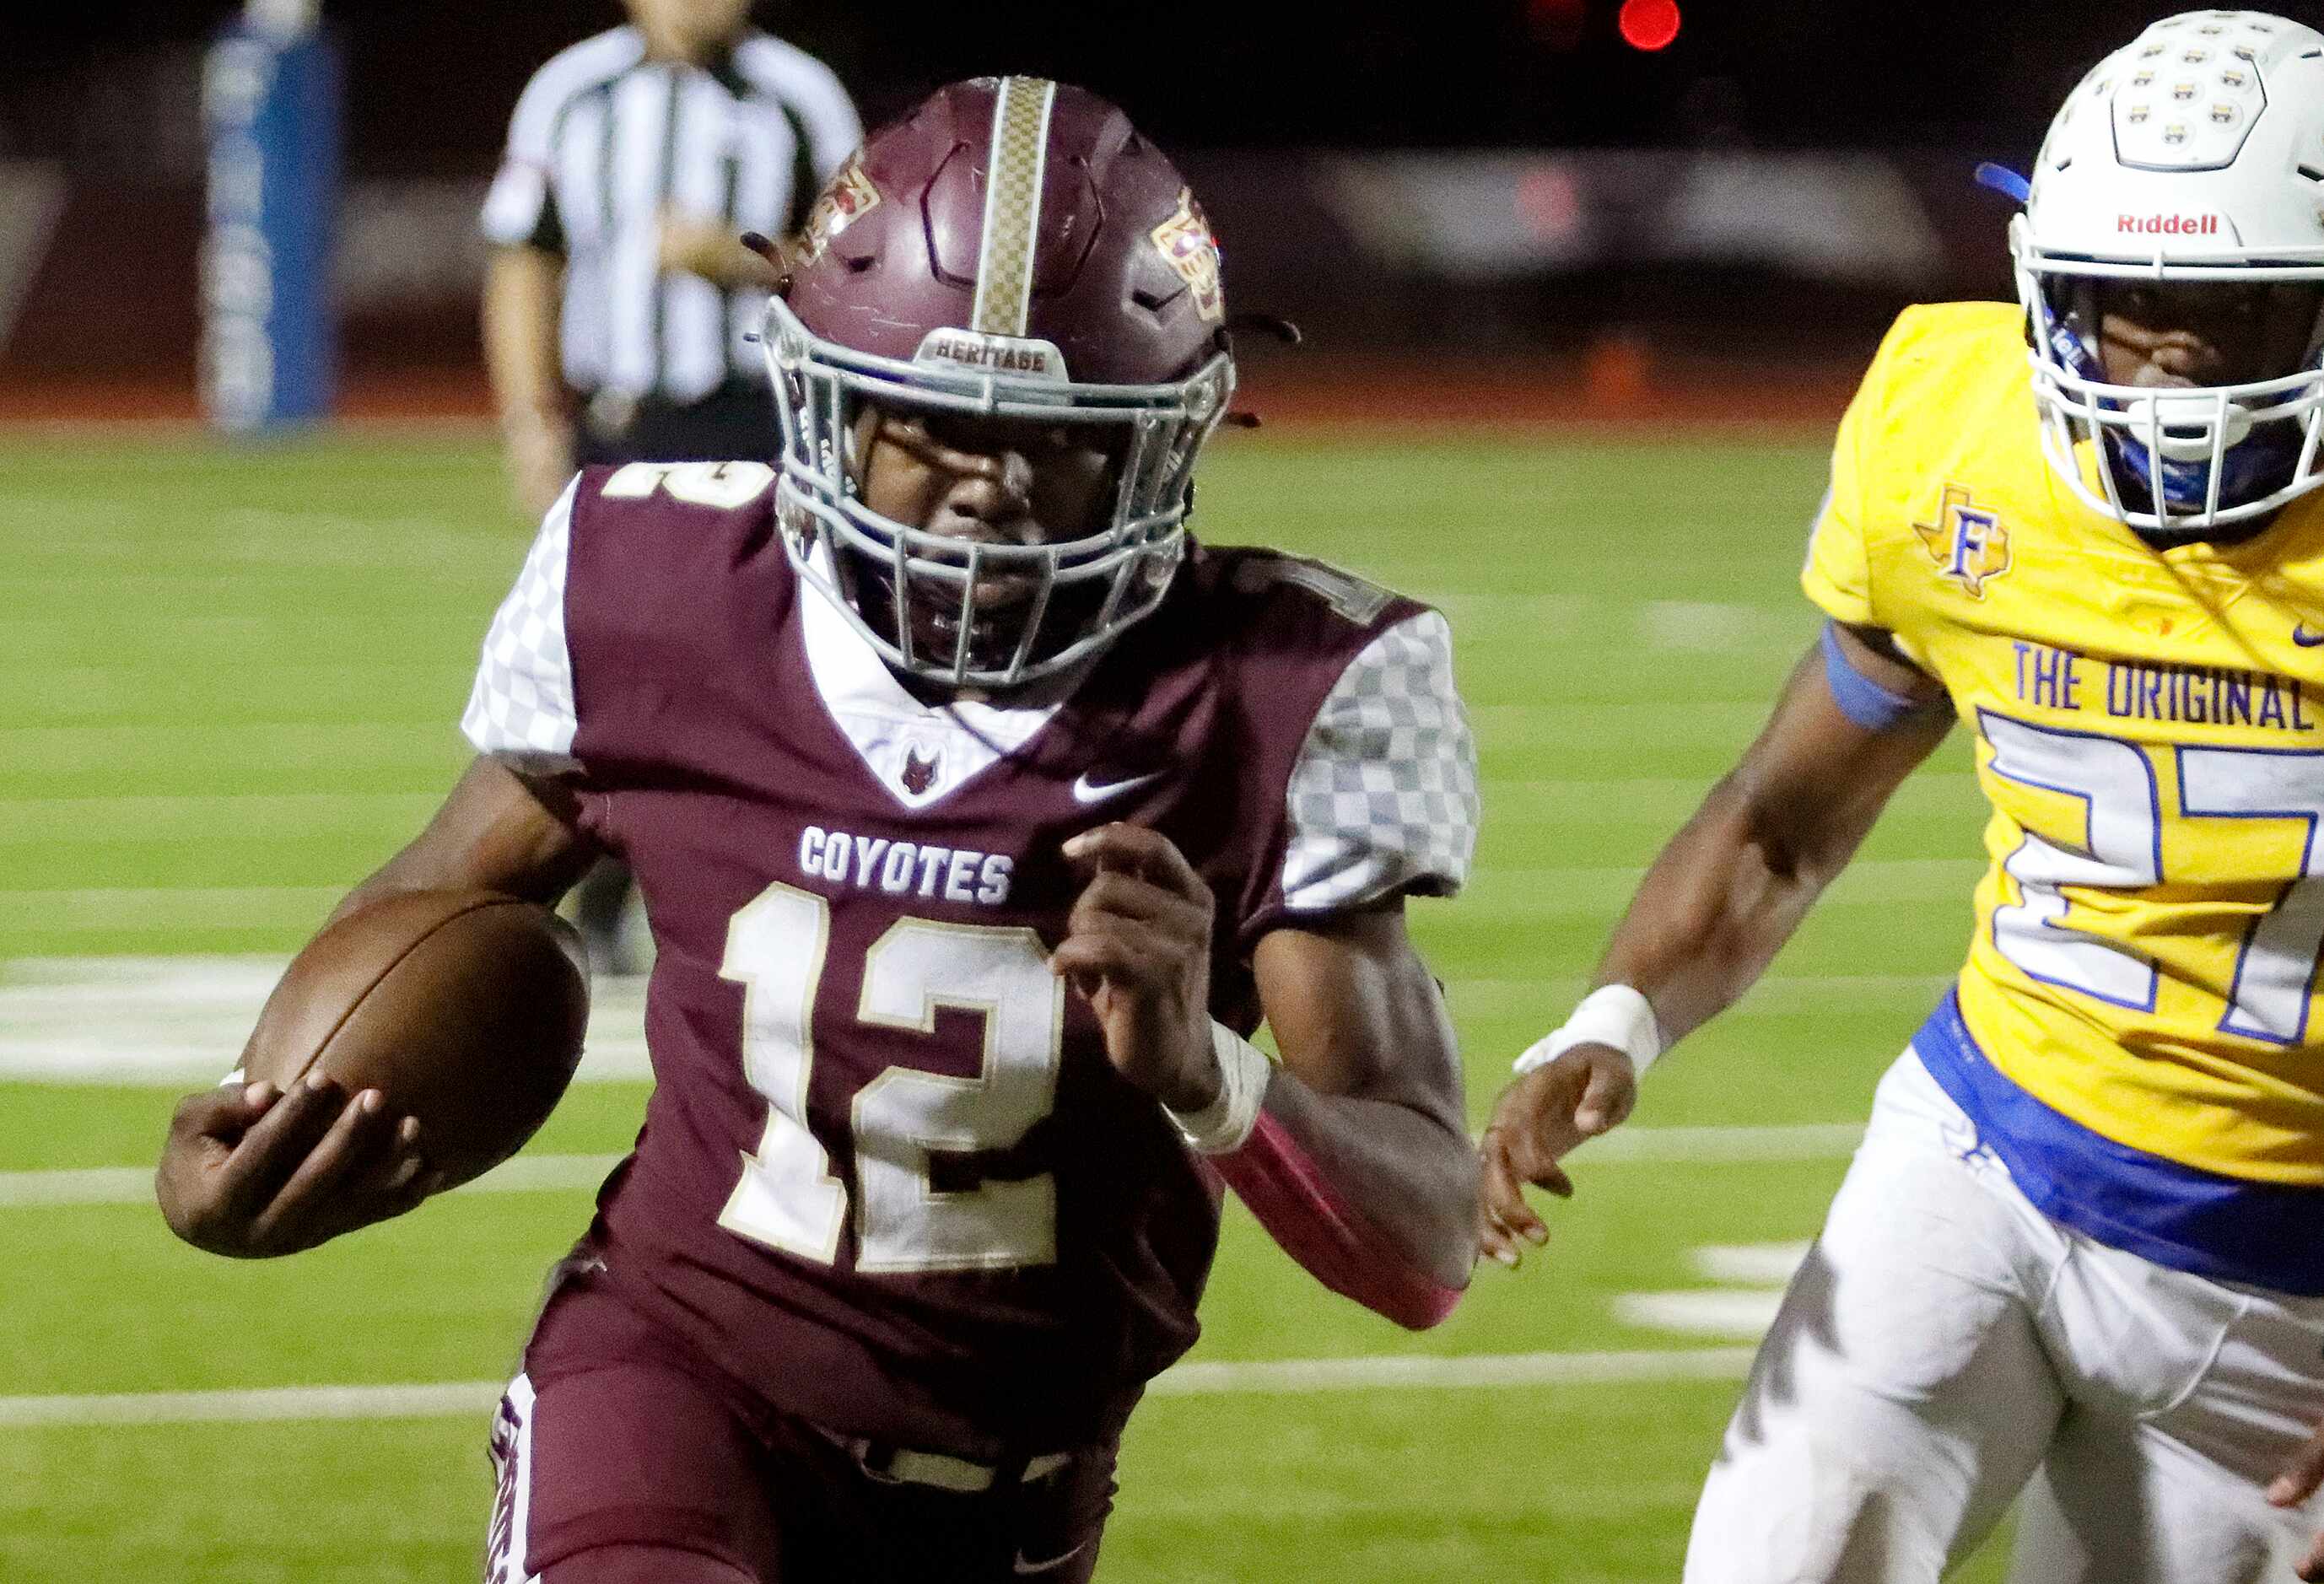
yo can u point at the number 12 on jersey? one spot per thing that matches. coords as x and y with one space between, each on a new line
2275 968
788 1199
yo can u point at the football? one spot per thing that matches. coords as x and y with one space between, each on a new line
465 1009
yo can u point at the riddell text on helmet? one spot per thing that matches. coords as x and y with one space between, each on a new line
2167 225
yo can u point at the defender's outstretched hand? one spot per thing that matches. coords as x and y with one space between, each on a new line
251 1171
1138 944
1538 1120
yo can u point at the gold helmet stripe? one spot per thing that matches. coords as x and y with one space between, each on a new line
1012 205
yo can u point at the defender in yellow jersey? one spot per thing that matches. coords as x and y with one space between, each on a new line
2150 735
2080 1254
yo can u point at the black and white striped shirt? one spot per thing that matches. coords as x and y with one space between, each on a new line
604 141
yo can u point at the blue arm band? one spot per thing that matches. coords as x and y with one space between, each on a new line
1869 705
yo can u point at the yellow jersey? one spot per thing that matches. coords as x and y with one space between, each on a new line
2137 1018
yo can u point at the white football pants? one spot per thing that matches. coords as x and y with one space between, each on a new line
1946 1342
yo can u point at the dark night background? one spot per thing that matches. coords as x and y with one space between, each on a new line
1254 73
1815 174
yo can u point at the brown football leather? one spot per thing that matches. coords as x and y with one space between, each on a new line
466 1008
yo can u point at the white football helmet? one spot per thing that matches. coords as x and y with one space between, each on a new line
2194 154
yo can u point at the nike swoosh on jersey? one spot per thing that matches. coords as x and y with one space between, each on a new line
1028 1569
2305 639
1087 792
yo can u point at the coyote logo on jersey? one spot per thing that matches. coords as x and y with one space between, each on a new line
920 771
1968 544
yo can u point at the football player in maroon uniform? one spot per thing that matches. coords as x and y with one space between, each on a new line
981 816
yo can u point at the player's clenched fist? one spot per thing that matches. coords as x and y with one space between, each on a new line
252 1171
1138 944
1540 1119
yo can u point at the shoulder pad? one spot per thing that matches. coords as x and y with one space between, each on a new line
1258 573
1951 334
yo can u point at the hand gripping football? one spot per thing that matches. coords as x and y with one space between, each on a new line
465 1009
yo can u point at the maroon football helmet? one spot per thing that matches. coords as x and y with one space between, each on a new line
1014 249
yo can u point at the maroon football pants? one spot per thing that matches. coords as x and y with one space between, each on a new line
615 1436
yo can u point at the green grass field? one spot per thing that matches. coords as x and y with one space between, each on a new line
228 687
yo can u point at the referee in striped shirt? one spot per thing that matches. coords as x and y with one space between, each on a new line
620 302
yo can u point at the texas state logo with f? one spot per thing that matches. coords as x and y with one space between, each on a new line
1968 544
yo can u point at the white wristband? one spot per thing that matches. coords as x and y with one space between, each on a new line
1224 1125
1614 1015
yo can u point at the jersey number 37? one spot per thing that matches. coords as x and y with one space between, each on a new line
2275 968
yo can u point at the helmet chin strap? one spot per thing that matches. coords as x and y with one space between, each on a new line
2155 419
2252 463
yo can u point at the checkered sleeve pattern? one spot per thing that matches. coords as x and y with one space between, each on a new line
1384 796
522 707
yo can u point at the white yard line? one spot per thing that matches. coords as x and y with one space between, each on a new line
1295 1376
177 1021
1764 1265
1756 1275
1709 1312
1717 627
85 1185
449 1400
548 1173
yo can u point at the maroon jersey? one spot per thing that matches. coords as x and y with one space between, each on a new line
888 1179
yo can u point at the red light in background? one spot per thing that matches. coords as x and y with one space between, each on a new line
1649 24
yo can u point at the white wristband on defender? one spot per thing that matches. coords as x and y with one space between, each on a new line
1614 1015
1224 1125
